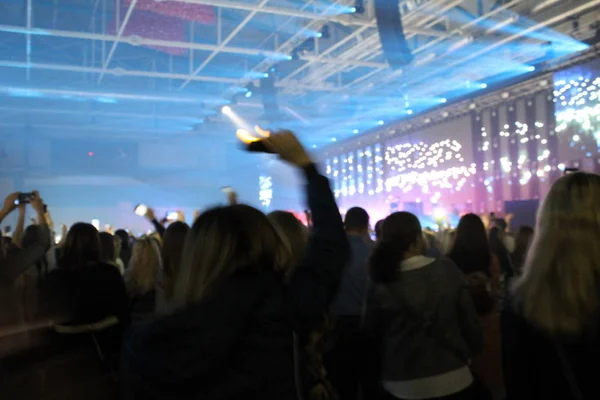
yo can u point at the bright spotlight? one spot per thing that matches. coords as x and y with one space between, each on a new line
444 100
483 85
439 214
266 75
355 131
226 110
319 34
409 112
380 122
531 68
352 9
249 94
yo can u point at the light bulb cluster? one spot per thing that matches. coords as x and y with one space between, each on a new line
265 192
578 112
427 168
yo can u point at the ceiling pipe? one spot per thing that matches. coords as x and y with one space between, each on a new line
551 21
136 40
115 71
95 113
122 27
224 43
439 40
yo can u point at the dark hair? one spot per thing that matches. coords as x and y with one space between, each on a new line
82 246
400 232
107 244
30 236
125 253
378 228
172 250
522 242
356 219
471 250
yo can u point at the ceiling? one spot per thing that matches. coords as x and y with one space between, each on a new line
68 70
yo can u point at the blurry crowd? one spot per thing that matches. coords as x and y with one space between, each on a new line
243 305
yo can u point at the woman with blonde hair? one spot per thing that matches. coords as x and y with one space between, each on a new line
551 331
231 336
141 278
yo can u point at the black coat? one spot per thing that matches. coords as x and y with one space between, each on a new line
532 366
239 343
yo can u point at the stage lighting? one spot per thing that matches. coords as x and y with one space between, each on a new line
531 68
409 112
266 75
333 139
355 131
359 6
444 100
249 94
226 110
380 122
352 9
319 34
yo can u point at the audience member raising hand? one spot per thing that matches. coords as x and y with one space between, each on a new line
234 323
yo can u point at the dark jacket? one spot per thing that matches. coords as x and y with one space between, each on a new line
532 367
238 344
438 292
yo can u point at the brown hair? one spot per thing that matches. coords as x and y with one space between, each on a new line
225 242
82 246
296 234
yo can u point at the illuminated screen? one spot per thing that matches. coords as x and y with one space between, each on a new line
577 98
430 168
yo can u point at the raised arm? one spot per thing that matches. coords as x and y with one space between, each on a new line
13 266
20 228
315 282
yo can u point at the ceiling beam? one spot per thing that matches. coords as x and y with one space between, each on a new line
122 26
224 43
115 71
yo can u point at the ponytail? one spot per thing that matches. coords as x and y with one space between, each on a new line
384 262
400 232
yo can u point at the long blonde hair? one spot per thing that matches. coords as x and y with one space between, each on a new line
225 242
144 266
560 288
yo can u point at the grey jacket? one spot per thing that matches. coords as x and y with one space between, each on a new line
438 291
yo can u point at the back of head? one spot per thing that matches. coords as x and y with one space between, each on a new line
107 243
124 236
401 237
82 246
144 266
357 220
173 243
379 229
30 236
471 250
558 291
226 242
523 239
296 235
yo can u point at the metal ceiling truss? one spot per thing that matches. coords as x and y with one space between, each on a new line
542 82
426 20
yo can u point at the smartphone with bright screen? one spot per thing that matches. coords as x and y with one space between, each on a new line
172 216
24 198
141 210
